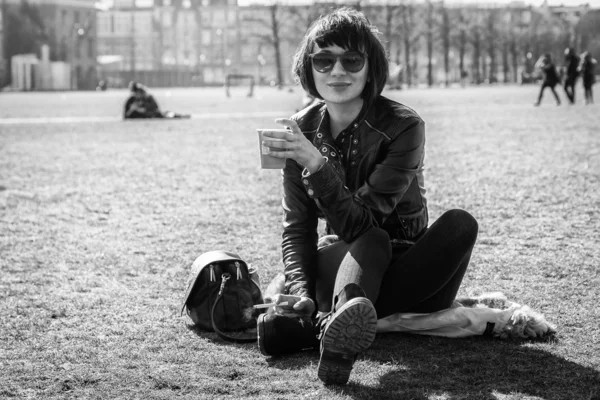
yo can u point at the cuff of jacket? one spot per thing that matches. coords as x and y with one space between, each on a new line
322 182
300 290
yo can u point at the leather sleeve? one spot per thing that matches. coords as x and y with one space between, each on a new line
350 215
299 244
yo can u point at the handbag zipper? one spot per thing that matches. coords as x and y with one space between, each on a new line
212 273
238 275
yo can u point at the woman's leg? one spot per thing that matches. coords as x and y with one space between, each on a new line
539 100
364 262
555 95
427 276
349 272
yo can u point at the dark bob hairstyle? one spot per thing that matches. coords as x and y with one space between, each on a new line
350 30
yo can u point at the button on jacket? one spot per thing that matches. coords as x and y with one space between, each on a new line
373 177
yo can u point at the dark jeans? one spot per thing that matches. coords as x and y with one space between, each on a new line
589 94
544 86
570 88
423 277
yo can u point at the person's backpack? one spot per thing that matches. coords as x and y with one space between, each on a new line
221 294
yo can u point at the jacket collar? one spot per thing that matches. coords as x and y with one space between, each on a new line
365 112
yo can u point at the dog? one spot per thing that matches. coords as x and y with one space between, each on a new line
524 322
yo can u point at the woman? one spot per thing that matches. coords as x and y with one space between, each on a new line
355 159
587 69
550 77
571 73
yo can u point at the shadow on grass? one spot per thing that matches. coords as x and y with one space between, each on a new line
249 334
286 362
475 368
478 368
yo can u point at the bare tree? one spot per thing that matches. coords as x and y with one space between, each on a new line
476 40
461 37
445 33
491 35
274 33
410 37
430 37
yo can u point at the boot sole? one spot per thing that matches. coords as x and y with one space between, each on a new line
350 332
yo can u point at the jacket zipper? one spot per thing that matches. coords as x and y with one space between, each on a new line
348 152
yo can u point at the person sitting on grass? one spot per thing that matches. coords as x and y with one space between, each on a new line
355 160
141 104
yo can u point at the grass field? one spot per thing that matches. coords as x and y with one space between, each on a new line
100 220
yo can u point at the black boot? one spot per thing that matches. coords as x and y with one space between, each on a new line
348 330
284 334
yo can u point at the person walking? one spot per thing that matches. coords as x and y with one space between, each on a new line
571 73
588 75
550 77
355 160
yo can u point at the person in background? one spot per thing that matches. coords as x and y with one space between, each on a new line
355 160
571 73
588 75
141 104
550 77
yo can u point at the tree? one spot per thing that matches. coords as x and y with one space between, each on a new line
476 40
446 38
410 36
460 38
492 43
588 29
429 35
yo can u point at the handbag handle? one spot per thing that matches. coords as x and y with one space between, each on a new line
224 278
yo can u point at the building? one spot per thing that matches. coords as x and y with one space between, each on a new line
70 31
189 43
169 43
3 61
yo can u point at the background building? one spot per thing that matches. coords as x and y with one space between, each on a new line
3 61
201 42
68 27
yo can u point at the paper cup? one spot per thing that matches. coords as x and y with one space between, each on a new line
267 161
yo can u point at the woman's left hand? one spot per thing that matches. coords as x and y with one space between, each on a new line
294 145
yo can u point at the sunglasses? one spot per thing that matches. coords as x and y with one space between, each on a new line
352 61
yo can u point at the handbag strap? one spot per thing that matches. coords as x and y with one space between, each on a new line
224 278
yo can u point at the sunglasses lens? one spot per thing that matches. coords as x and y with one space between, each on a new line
323 62
353 62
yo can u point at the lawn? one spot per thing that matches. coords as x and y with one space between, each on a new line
100 220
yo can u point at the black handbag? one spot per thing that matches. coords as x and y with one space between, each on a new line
221 294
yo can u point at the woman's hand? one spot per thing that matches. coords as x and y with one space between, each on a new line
295 146
289 304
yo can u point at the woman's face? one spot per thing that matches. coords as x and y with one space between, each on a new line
339 86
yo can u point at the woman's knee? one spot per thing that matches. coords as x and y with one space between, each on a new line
463 223
374 238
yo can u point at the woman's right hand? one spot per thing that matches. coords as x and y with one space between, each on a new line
290 304
294 145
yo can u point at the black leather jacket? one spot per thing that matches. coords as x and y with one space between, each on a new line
373 177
